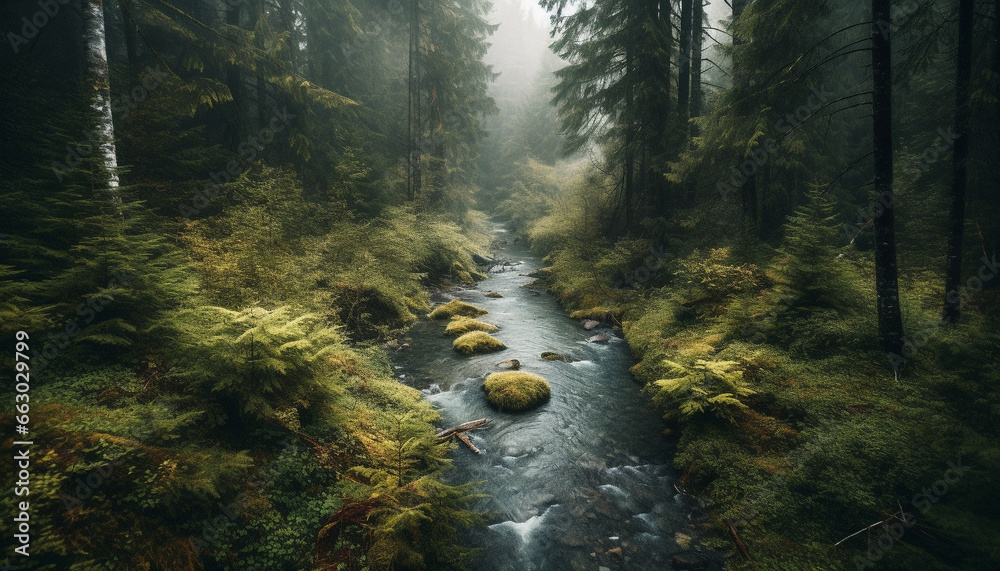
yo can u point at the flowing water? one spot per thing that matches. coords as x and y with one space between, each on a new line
584 481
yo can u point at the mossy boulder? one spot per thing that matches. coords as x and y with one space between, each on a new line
516 391
476 342
550 356
461 325
494 295
456 308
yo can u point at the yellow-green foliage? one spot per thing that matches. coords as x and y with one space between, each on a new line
476 342
516 391
709 386
461 325
606 314
456 308
714 276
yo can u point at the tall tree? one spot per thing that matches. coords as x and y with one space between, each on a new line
890 322
963 117
697 37
684 71
97 79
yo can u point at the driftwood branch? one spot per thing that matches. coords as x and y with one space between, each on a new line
460 430
465 440
464 427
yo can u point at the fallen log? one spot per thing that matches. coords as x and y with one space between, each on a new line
739 542
464 427
465 440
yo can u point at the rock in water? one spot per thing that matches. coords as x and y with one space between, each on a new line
590 324
516 391
511 364
599 339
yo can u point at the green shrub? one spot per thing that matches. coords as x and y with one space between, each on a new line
711 386
515 391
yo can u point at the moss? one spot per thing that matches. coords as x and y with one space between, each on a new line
456 308
476 342
514 391
461 325
550 356
604 314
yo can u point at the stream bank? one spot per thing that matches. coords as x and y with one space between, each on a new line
584 481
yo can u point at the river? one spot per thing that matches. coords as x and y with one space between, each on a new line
583 482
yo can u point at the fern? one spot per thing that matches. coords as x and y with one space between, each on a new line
710 386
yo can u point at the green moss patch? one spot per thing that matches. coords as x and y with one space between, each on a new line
456 308
514 391
476 342
461 325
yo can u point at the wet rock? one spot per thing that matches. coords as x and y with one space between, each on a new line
494 294
683 540
615 551
482 260
598 339
590 324
550 356
688 561
509 364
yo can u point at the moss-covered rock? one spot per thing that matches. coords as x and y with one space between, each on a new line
476 342
515 391
461 325
456 308
494 294
599 313
550 356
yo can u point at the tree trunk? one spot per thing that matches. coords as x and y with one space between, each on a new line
414 125
890 323
748 191
128 30
684 70
97 80
697 36
953 271
234 81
